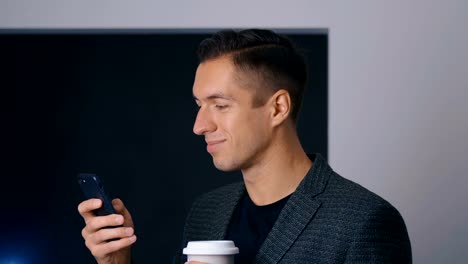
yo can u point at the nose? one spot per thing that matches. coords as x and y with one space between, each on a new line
203 123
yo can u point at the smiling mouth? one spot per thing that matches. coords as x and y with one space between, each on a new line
212 146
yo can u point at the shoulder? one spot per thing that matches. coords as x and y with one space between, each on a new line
333 190
361 206
342 201
343 192
376 228
218 195
210 212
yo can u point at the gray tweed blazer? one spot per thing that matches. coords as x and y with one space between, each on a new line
328 219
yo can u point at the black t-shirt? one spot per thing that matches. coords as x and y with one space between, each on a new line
250 225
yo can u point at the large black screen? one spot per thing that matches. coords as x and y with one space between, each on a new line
118 104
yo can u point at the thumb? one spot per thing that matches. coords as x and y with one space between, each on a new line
120 208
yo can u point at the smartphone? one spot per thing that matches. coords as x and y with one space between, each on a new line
92 187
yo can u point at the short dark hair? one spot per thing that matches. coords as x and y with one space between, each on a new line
267 55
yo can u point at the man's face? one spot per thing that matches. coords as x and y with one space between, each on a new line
236 133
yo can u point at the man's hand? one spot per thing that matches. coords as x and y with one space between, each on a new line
195 262
108 245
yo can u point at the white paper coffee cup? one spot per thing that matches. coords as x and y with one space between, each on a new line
211 251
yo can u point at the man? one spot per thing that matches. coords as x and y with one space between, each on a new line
291 207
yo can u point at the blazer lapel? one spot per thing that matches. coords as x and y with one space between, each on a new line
296 214
227 205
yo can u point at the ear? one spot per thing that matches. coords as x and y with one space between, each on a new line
281 107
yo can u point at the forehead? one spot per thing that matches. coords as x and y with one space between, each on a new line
216 77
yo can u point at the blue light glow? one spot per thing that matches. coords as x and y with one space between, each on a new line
12 260
18 255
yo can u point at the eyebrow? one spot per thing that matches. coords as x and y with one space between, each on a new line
216 96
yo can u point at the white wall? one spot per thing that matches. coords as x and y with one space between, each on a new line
398 83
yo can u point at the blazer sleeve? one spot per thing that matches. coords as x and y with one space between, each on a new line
381 237
179 257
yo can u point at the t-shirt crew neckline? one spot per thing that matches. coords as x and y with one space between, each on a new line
251 224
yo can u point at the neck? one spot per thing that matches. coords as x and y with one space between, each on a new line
279 171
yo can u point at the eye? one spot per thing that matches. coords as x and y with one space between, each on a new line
221 106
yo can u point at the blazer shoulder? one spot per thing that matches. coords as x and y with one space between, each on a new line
212 200
377 229
351 193
356 204
210 212
219 193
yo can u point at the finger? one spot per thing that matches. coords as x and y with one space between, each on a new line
106 234
121 209
86 208
99 222
112 246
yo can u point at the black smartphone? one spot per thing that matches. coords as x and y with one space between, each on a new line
92 187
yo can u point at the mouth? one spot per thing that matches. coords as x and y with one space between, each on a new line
212 146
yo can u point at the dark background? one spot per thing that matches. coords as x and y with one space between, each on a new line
119 105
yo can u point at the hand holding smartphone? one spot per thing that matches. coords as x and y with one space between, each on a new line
107 237
92 187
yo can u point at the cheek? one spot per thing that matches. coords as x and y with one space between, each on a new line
248 132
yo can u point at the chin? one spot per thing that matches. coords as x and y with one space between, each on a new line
225 165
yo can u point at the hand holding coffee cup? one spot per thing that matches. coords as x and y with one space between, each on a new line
211 251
